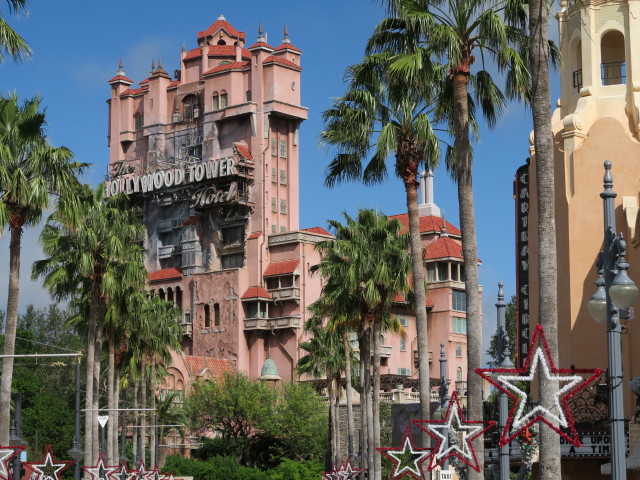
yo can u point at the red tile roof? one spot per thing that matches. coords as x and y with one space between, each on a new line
120 78
282 61
281 268
261 45
164 274
195 53
192 220
173 84
428 224
144 82
318 230
224 25
226 51
243 150
287 46
256 292
399 298
199 366
227 66
133 91
444 247
254 235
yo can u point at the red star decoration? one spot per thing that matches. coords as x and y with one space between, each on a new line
48 469
412 468
6 455
518 420
444 451
142 473
123 473
100 471
344 472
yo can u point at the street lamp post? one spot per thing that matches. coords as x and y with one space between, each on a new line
75 451
444 398
615 292
504 361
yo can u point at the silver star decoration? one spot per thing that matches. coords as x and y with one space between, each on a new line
47 470
142 473
345 471
122 473
6 454
100 471
521 419
412 467
463 430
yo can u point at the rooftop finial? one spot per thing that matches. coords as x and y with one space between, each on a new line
120 68
153 65
286 34
160 63
221 17
184 47
443 230
261 37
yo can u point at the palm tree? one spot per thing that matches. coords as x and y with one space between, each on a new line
93 254
547 255
10 42
30 172
457 32
364 268
376 117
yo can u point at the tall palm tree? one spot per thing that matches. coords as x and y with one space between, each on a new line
364 268
31 171
547 255
93 253
10 42
458 32
377 117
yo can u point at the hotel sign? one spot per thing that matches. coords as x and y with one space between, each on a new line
521 194
172 177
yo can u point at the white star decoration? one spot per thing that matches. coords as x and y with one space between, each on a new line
399 455
142 473
100 471
6 454
521 419
122 473
47 469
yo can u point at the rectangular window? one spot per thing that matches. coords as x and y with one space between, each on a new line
274 229
459 325
404 320
248 95
273 147
283 149
223 100
232 236
443 271
454 272
187 317
138 122
283 177
283 229
403 344
274 205
458 350
215 102
431 272
459 301
233 261
188 259
274 176
283 206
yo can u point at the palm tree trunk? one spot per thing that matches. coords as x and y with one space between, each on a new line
547 256
351 428
111 396
136 431
13 295
96 384
365 358
335 420
143 416
470 254
417 267
375 399
362 439
152 436
114 425
90 416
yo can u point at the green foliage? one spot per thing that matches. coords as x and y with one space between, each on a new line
225 468
257 424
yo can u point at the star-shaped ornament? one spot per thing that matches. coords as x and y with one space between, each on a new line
6 455
331 474
142 473
168 476
539 364
346 471
123 473
48 469
466 431
100 471
407 460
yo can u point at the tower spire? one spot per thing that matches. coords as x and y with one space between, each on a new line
286 34
120 68
427 206
261 37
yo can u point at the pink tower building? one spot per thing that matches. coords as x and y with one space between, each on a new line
210 154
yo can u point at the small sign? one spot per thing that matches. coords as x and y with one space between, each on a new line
445 475
102 420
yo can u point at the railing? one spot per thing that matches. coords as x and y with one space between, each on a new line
187 329
461 388
166 251
577 79
289 293
613 73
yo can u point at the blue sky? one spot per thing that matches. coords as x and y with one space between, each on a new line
77 46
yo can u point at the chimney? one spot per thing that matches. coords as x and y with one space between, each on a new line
427 207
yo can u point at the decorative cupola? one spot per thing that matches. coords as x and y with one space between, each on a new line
159 72
120 78
220 32
286 49
427 207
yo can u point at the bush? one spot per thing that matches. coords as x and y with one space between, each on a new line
216 468
292 470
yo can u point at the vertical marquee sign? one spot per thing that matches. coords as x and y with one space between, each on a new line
521 195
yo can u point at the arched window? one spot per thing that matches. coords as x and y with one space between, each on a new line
179 297
216 314
191 107
215 101
459 374
612 57
223 99
170 294
207 316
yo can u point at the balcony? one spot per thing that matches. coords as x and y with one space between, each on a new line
165 226
166 251
385 351
276 323
461 388
291 293
187 329
416 357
